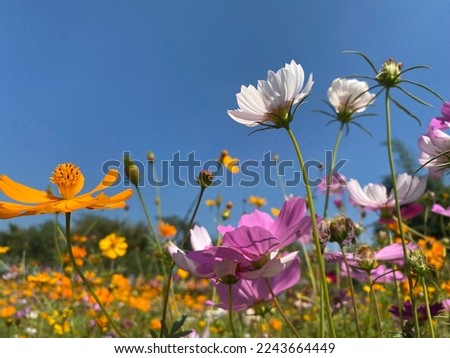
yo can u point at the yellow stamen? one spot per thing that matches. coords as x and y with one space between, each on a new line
69 180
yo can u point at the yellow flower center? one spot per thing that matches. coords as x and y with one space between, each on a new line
69 180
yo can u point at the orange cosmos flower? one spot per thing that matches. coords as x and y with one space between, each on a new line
232 164
166 230
4 249
69 180
257 201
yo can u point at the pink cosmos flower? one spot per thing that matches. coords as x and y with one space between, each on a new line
439 209
375 197
366 260
442 122
259 237
338 183
272 100
248 293
249 251
433 144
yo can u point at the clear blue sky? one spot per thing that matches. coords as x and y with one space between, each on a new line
83 81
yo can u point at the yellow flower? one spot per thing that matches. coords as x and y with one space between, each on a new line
113 246
276 324
166 230
232 164
69 180
182 274
4 249
257 201
275 211
7 311
210 202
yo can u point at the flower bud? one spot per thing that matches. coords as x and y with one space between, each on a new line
150 156
205 178
229 205
340 229
418 262
366 258
389 75
133 174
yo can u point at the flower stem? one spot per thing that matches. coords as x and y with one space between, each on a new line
309 267
149 221
377 309
398 213
320 260
85 281
427 305
230 311
330 169
172 266
277 304
352 292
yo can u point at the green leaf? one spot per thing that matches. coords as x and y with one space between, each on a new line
364 57
406 111
425 88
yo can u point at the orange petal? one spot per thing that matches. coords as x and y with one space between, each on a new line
22 193
109 179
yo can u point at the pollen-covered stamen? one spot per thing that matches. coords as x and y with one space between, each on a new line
69 180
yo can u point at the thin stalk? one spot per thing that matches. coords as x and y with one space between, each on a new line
86 283
352 292
277 305
427 305
149 221
55 238
158 193
377 309
330 169
280 181
398 213
309 267
172 266
326 295
230 311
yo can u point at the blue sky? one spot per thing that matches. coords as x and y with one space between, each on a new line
84 81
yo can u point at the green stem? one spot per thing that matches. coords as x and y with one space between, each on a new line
309 267
330 169
149 221
377 309
230 311
352 292
427 305
277 304
320 260
158 193
56 240
86 283
398 213
169 277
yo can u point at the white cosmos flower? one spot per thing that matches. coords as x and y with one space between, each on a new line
434 146
349 96
374 196
272 99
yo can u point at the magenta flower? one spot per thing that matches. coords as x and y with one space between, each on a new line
249 293
250 251
434 146
442 122
439 209
375 197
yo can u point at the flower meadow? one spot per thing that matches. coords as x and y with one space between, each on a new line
301 270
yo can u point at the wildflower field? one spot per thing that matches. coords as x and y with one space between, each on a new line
300 270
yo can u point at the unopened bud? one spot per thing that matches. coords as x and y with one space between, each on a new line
389 75
418 262
150 156
133 174
229 205
226 214
366 258
205 178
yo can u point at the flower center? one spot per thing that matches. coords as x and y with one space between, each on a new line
69 180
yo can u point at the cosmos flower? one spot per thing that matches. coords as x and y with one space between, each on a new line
435 155
248 293
274 98
442 122
349 96
166 230
230 163
69 180
439 209
375 197
407 310
337 185
113 246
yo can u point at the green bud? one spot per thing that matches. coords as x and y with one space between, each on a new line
366 258
389 75
205 178
418 262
